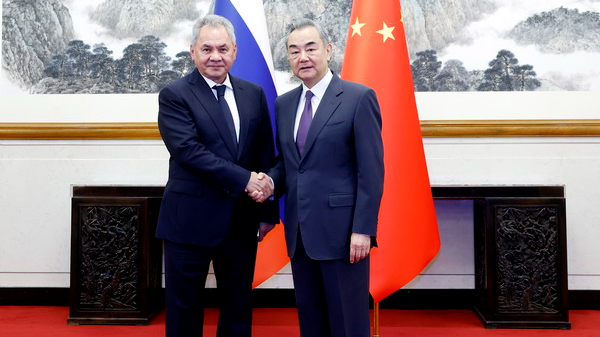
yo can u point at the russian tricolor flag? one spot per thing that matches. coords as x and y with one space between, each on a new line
254 63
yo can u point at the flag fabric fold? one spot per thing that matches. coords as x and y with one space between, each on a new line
376 55
254 63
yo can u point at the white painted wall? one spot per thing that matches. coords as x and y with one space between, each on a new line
36 179
572 162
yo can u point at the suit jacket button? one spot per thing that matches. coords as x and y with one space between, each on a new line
301 171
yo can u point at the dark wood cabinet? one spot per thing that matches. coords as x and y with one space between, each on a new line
116 263
520 254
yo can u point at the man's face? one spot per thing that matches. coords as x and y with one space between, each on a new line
213 53
308 55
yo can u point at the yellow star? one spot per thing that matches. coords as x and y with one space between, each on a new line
386 32
356 27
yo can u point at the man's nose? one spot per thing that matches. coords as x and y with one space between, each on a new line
215 56
303 56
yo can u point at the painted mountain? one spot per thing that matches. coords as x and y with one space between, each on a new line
560 31
136 18
32 32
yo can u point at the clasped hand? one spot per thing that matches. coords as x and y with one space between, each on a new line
260 187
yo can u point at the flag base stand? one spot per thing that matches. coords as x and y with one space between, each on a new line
376 320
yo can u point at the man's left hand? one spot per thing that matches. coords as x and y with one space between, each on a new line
360 245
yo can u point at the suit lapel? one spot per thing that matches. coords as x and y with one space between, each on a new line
328 105
242 103
207 99
288 120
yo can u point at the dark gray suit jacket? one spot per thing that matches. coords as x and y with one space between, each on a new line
335 189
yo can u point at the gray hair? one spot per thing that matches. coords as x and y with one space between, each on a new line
213 21
304 22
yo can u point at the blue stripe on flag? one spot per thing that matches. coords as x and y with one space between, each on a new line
249 63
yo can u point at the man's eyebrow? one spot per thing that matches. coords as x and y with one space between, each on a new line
210 45
307 44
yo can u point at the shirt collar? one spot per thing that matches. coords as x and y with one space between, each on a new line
212 83
319 89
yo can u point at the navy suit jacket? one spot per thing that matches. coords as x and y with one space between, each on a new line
335 189
207 177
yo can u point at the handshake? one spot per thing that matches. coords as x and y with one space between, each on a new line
260 187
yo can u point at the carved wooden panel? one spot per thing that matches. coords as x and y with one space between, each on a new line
527 252
109 247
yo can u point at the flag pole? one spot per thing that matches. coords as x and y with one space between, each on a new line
376 320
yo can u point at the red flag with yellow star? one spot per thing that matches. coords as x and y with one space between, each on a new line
376 55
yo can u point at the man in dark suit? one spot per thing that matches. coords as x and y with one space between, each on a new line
331 169
217 130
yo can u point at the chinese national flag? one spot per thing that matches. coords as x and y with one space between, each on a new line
376 55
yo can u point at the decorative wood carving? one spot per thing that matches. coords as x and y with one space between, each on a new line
109 254
527 252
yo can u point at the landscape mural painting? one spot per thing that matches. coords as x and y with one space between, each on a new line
138 46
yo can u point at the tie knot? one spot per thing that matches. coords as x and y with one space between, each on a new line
309 95
220 90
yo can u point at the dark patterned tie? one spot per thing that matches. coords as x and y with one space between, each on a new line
226 112
304 125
